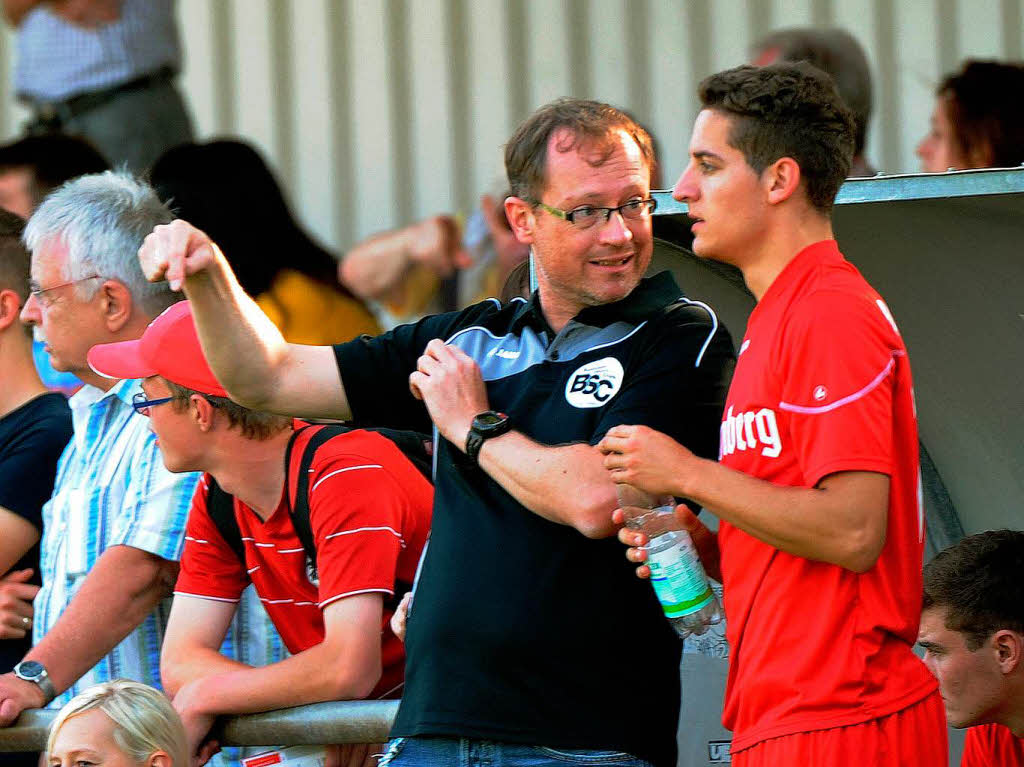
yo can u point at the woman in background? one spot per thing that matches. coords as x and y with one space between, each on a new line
978 121
226 189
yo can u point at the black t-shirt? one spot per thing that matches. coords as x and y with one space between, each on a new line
31 441
523 630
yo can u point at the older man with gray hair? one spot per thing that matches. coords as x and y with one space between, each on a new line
114 528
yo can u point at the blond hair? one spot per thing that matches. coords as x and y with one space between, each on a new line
144 720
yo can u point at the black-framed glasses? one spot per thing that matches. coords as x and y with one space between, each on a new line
37 292
586 216
141 405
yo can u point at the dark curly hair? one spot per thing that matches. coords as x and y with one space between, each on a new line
787 110
526 153
979 582
986 112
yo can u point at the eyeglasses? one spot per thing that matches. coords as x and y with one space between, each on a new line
586 216
141 405
37 292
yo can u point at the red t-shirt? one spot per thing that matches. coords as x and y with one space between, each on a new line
369 510
822 385
992 745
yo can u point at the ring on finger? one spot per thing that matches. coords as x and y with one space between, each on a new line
26 621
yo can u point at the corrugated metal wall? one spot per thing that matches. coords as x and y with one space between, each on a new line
378 112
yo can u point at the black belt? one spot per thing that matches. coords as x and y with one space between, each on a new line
51 115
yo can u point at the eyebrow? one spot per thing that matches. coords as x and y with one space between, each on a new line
702 154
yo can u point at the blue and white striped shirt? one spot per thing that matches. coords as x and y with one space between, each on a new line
57 60
112 489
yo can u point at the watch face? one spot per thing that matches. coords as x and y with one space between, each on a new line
490 418
30 669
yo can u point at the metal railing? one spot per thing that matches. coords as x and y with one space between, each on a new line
355 721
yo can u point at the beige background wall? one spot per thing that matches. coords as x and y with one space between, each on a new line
377 112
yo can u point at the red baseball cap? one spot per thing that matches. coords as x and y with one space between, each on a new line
169 348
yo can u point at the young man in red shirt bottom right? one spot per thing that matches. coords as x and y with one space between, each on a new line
822 532
972 632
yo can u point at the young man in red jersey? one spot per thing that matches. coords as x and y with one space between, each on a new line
368 514
972 632
821 536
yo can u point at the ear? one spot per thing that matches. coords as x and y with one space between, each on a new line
781 179
160 759
10 309
116 303
1009 649
520 217
202 412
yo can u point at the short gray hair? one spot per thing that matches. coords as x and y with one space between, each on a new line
102 219
144 720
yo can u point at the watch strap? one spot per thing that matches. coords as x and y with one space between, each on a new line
474 441
41 680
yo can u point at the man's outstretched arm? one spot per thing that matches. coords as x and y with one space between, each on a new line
247 353
118 593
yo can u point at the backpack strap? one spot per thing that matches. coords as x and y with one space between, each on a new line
221 508
412 445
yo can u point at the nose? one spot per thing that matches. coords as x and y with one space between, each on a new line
685 190
615 229
30 311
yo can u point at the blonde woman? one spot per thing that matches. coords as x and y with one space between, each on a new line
118 724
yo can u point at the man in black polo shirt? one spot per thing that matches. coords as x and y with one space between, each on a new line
524 608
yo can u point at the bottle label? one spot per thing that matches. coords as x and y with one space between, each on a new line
679 581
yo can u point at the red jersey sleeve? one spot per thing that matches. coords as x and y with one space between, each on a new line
838 365
992 745
209 567
357 514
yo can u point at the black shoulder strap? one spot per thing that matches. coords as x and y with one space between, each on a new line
221 508
412 444
298 509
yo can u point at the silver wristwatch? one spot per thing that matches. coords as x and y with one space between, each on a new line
34 672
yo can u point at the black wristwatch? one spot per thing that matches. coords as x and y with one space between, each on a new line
487 424
34 672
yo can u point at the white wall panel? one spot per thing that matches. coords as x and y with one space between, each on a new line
254 112
372 182
313 192
673 78
431 108
918 71
547 48
379 112
791 13
730 34
198 77
980 34
488 106
610 55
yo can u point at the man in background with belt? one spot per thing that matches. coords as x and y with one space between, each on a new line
103 70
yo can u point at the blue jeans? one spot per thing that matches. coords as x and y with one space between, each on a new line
466 752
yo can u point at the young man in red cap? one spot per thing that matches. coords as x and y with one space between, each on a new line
822 531
368 513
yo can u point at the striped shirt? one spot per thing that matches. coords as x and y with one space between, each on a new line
57 60
112 489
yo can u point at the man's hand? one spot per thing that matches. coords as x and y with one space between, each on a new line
189 705
175 251
15 696
435 242
647 459
704 541
401 615
450 384
16 596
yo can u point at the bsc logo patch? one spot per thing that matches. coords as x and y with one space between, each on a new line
595 383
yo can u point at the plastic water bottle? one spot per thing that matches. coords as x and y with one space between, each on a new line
677 574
